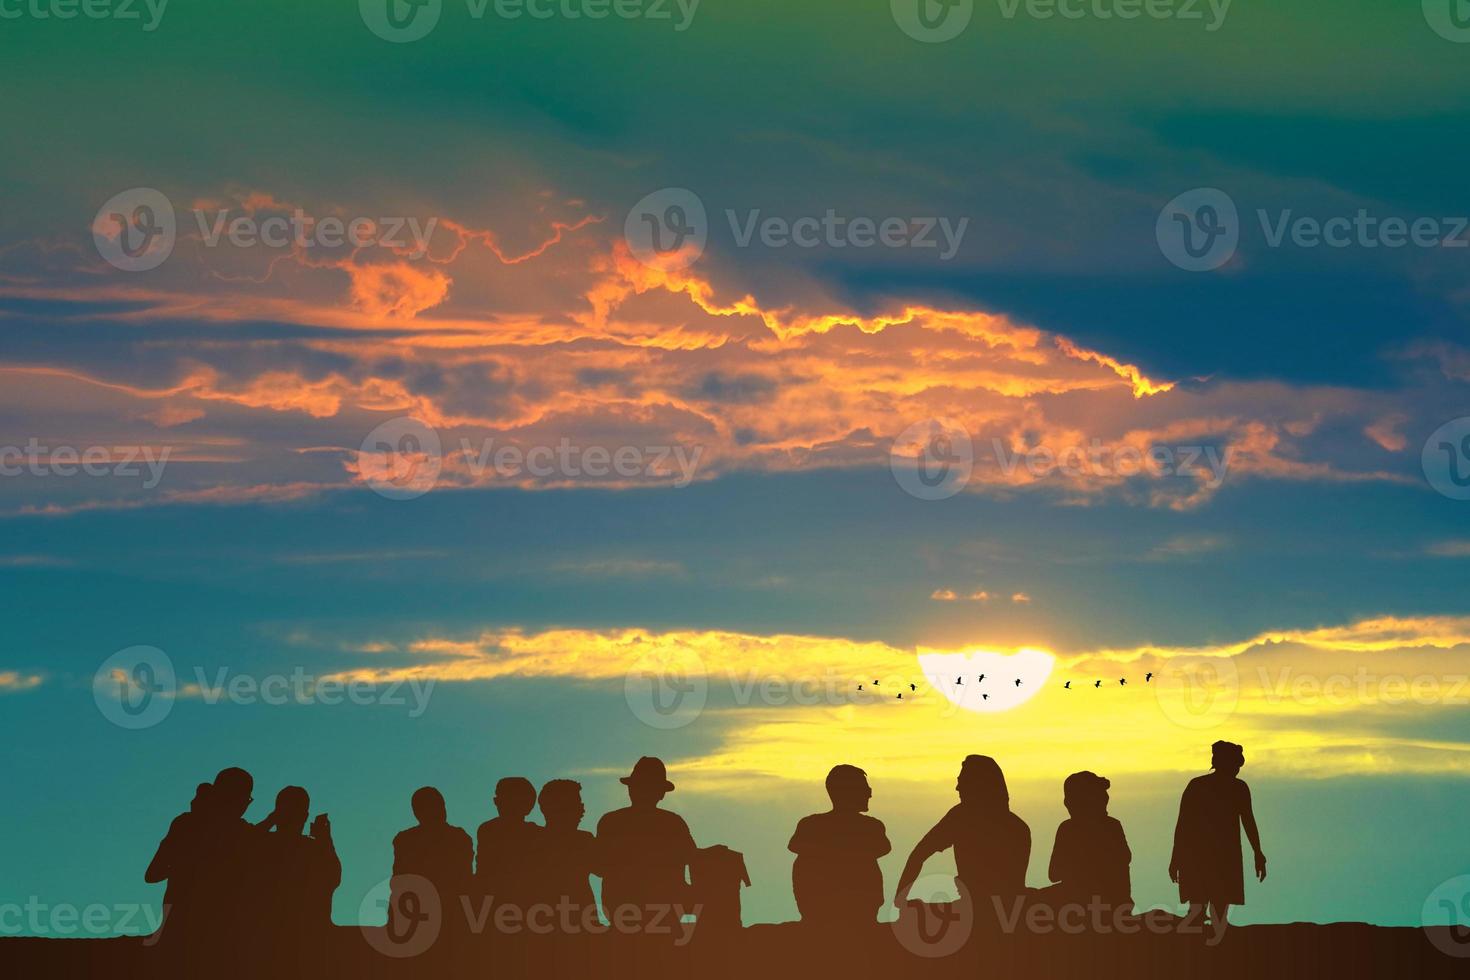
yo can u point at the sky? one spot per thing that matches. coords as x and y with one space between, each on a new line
745 353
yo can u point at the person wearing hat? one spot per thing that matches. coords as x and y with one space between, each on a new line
643 853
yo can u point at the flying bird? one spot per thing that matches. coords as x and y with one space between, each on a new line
959 680
912 688
1018 682
1123 681
875 682
1148 677
900 695
1068 685
982 678
1098 684
860 687
985 697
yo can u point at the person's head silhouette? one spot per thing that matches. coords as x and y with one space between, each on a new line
847 787
292 808
231 793
982 784
561 804
1227 757
648 783
428 807
1085 794
515 797
200 803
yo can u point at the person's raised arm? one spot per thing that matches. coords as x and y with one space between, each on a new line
1248 821
936 840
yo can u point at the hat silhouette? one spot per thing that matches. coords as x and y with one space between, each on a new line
648 770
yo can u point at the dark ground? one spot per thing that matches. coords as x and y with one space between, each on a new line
776 952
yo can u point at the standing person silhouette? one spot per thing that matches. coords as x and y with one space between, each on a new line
992 846
566 854
506 845
643 853
1206 862
836 876
432 851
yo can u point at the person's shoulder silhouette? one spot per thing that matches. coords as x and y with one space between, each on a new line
1090 857
836 878
992 846
433 848
565 856
505 845
644 850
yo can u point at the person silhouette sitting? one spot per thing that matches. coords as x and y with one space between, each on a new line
506 844
992 846
643 852
299 872
566 854
1090 857
836 876
179 862
1206 862
431 854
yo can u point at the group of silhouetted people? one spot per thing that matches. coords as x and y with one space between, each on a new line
276 877
838 882
227 876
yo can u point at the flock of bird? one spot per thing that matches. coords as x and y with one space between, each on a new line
959 681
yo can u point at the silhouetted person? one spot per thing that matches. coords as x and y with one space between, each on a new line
836 876
992 845
1090 858
435 852
716 875
643 851
506 845
1207 859
566 854
299 873
179 861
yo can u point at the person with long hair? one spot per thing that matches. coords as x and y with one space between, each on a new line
992 846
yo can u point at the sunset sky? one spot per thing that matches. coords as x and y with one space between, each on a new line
740 418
